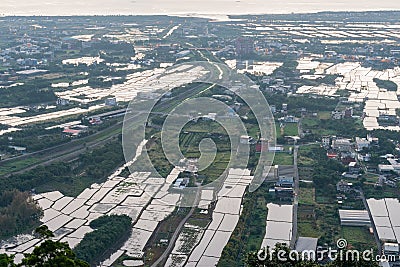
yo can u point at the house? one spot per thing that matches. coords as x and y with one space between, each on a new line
354 218
95 120
18 149
283 193
365 158
111 101
285 182
284 108
347 159
362 143
245 139
344 186
372 140
332 155
181 183
385 168
391 249
276 149
211 116
337 115
326 141
289 119
306 244
354 168
71 132
342 145
62 102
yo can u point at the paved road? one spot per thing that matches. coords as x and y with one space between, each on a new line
161 261
296 196
378 242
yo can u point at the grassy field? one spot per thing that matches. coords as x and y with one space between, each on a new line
321 221
283 159
313 124
19 164
324 115
307 196
307 229
302 159
359 237
13 166
371 178
289 129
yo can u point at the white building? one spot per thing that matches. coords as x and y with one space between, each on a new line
245 139
342 145
326 141
386 219
362 143
354 218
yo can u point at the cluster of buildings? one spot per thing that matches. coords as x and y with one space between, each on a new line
284 187
341 114
348 151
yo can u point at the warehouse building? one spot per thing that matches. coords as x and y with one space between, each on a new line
354 218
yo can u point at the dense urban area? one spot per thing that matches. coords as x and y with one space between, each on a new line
332 83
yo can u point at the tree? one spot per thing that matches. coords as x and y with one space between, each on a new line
44 232
48 254
6 261
109 231
51 253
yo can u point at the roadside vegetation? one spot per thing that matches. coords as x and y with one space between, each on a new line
70 178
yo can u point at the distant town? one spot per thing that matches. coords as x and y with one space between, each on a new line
332 82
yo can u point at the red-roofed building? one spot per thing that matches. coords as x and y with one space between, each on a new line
72 132
332 155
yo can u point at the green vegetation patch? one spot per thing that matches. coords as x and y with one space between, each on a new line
358 237
283 159
385 84
307 196
18 213
110 231
70 178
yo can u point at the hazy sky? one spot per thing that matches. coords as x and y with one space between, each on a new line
172 7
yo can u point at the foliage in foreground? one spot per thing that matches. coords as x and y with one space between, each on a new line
48 254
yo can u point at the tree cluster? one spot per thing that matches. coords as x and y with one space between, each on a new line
18 213
110 230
